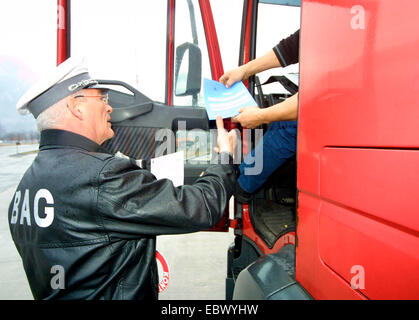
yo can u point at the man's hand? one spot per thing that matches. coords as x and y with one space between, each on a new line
226 140
231 77
250 117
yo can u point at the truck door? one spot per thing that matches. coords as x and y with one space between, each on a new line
358 150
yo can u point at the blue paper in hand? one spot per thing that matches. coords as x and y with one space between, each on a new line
225 102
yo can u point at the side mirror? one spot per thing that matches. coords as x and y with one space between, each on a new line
188 72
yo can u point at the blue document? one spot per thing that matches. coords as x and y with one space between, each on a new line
225 102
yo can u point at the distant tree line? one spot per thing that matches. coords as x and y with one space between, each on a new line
18 135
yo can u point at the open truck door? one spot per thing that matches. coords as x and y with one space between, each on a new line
145 129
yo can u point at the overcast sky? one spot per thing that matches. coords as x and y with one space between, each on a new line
123 40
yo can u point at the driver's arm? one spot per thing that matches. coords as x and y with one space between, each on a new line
252 117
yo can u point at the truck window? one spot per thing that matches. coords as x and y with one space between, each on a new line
275 22
124 41
189 30
228 22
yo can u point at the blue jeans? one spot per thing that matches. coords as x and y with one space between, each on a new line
279 144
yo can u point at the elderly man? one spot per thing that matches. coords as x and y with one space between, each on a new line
84 221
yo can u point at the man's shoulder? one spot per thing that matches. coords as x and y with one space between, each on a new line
79 156
104 162
116 163
99 156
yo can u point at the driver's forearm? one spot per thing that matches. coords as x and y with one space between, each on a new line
286 110
265 62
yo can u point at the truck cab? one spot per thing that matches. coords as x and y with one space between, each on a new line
339 219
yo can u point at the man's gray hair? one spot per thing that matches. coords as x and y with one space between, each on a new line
50 118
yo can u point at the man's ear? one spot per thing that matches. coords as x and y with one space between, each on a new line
74 106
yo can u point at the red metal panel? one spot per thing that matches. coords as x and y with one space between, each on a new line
311 272
63 31
380 183
359 89
375 224
387 256
246 59
216 62
170 51
248 32
217 71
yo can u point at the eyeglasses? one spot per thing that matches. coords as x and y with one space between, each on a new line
103 97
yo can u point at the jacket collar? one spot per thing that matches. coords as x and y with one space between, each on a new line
55 137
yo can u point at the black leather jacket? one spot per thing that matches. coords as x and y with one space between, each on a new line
85 222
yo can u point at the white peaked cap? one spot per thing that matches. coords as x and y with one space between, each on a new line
69 77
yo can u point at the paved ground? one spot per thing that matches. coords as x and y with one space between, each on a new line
197 262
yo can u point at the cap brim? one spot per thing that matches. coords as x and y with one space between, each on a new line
97 86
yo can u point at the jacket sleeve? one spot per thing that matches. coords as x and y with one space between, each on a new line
133 203
288 50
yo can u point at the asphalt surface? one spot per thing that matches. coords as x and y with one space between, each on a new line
197 262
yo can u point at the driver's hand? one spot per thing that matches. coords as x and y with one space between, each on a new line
250 117
231 77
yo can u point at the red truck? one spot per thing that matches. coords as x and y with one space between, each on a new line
339 220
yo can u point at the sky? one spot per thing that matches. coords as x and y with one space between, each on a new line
27 47
122 40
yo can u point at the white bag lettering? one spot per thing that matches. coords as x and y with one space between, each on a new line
15 211
49 211
43 219
25 212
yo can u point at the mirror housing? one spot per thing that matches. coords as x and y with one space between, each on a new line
188 72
